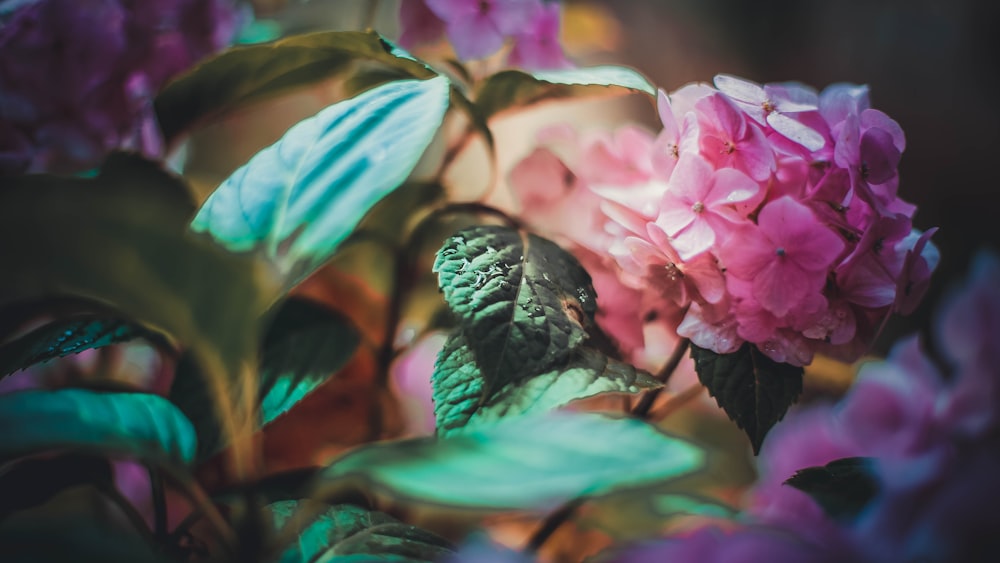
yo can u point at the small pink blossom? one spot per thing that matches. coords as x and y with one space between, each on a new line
776 105
787 255
701 204
728 140
419 24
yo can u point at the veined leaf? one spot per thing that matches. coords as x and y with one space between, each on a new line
512 89
347 533
523 303
842 487
305 345
137 424
297 200
532 462
754 390
458 394
244 75
67 336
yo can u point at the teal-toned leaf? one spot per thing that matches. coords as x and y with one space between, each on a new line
297 200
842 487
67 336
305 345
523 303
532 462
347 533
458 394
137 424
754 390
672 505
513 89
244 75
121 240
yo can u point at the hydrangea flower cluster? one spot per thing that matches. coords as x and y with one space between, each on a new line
480 28
77 77
764 214
932 432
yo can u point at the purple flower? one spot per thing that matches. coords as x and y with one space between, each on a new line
77 77
477 28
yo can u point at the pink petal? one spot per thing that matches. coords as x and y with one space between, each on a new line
792 97
745 252
875 119
694 239
475 38
691 179
782 285
793 227
755 154
740 89
730 187
670 128
722 116
419 24
838 101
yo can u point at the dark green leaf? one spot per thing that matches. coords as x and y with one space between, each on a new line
285 485
842 487
77 525
296 201
458 392
754 390
31 482
531 462
523 303
137 424
348 533
305 345
512 89
67 336
244 75
121 239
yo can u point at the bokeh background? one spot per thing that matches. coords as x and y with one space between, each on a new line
934 66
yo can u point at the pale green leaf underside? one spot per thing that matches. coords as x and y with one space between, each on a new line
458 387
608 75
298 199
530 462
348 533
137 424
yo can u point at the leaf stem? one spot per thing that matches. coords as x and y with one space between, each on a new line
158 493
552 523
641 410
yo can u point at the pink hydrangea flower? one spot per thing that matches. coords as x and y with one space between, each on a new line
77 77
814 245
419 24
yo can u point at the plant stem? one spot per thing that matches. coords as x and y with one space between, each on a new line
641 410
369 16
159 503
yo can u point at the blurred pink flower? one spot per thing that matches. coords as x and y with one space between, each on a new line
477 28
537 46
419 24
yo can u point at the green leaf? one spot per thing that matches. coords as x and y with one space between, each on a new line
523 303
297 200
137 424
842 487
458 394
513 89
532 462
305 345
671 505
67 336
31 482
347 533
244 75
121 240
754 390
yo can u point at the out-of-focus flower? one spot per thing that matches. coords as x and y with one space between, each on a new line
77 77
480 28
933 436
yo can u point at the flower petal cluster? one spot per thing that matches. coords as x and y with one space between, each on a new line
760 213
77 77
480 28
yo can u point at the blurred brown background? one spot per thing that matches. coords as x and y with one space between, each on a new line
931 65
